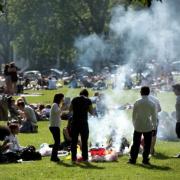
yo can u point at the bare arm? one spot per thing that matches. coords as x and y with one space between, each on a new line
91 110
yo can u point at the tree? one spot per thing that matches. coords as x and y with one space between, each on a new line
147 3
7 33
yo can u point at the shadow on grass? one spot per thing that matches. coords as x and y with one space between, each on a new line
84 165
155 167
161 156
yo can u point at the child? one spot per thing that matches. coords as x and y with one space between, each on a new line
11 143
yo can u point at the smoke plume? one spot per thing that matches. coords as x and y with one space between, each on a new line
136 36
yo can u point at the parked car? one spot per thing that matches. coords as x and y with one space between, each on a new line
32 75
55 73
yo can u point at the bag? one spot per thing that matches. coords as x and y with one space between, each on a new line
9 157
29 153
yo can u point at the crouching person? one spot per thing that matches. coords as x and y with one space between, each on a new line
29 120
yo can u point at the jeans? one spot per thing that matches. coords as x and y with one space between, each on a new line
136 144
56 135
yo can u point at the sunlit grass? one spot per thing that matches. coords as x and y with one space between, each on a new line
164 166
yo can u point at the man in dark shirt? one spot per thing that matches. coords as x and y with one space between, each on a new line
80 106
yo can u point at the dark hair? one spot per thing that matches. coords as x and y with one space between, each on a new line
12 64
4 131
48 106
6 69
145 90
21 103
84 92
41 106
13 126
58 98
176 87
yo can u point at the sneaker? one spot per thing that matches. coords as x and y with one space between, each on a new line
55 159
131 161
146 162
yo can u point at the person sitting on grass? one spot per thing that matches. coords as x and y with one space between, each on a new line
4 131
11 142
29 120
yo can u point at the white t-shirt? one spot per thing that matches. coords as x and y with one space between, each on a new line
55 116
14 144
144 115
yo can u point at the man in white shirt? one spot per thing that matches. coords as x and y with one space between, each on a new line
176 89
144 122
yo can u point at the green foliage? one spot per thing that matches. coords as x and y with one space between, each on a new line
146 3
43 32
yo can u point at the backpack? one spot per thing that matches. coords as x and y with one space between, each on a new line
29 153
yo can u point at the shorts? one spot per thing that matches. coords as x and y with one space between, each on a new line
178 129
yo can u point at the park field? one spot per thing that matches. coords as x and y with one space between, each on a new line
164 166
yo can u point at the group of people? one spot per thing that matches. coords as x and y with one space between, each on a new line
145 122
144 119
11 78
19 111
80 106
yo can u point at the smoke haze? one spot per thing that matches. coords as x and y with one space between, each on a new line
145 34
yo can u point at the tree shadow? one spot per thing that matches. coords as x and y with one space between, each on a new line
155 167
84 165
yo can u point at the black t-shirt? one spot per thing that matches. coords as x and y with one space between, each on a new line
80 107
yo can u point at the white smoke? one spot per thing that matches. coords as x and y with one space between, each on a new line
167 125
91 48
134 36
147 34
110 129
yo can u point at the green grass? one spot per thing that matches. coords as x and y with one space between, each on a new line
164 167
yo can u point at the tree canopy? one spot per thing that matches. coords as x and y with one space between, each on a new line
42 32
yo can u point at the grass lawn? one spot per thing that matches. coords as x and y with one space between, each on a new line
164 167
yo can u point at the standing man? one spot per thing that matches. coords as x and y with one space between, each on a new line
176 89
144 122
154 133
80 106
